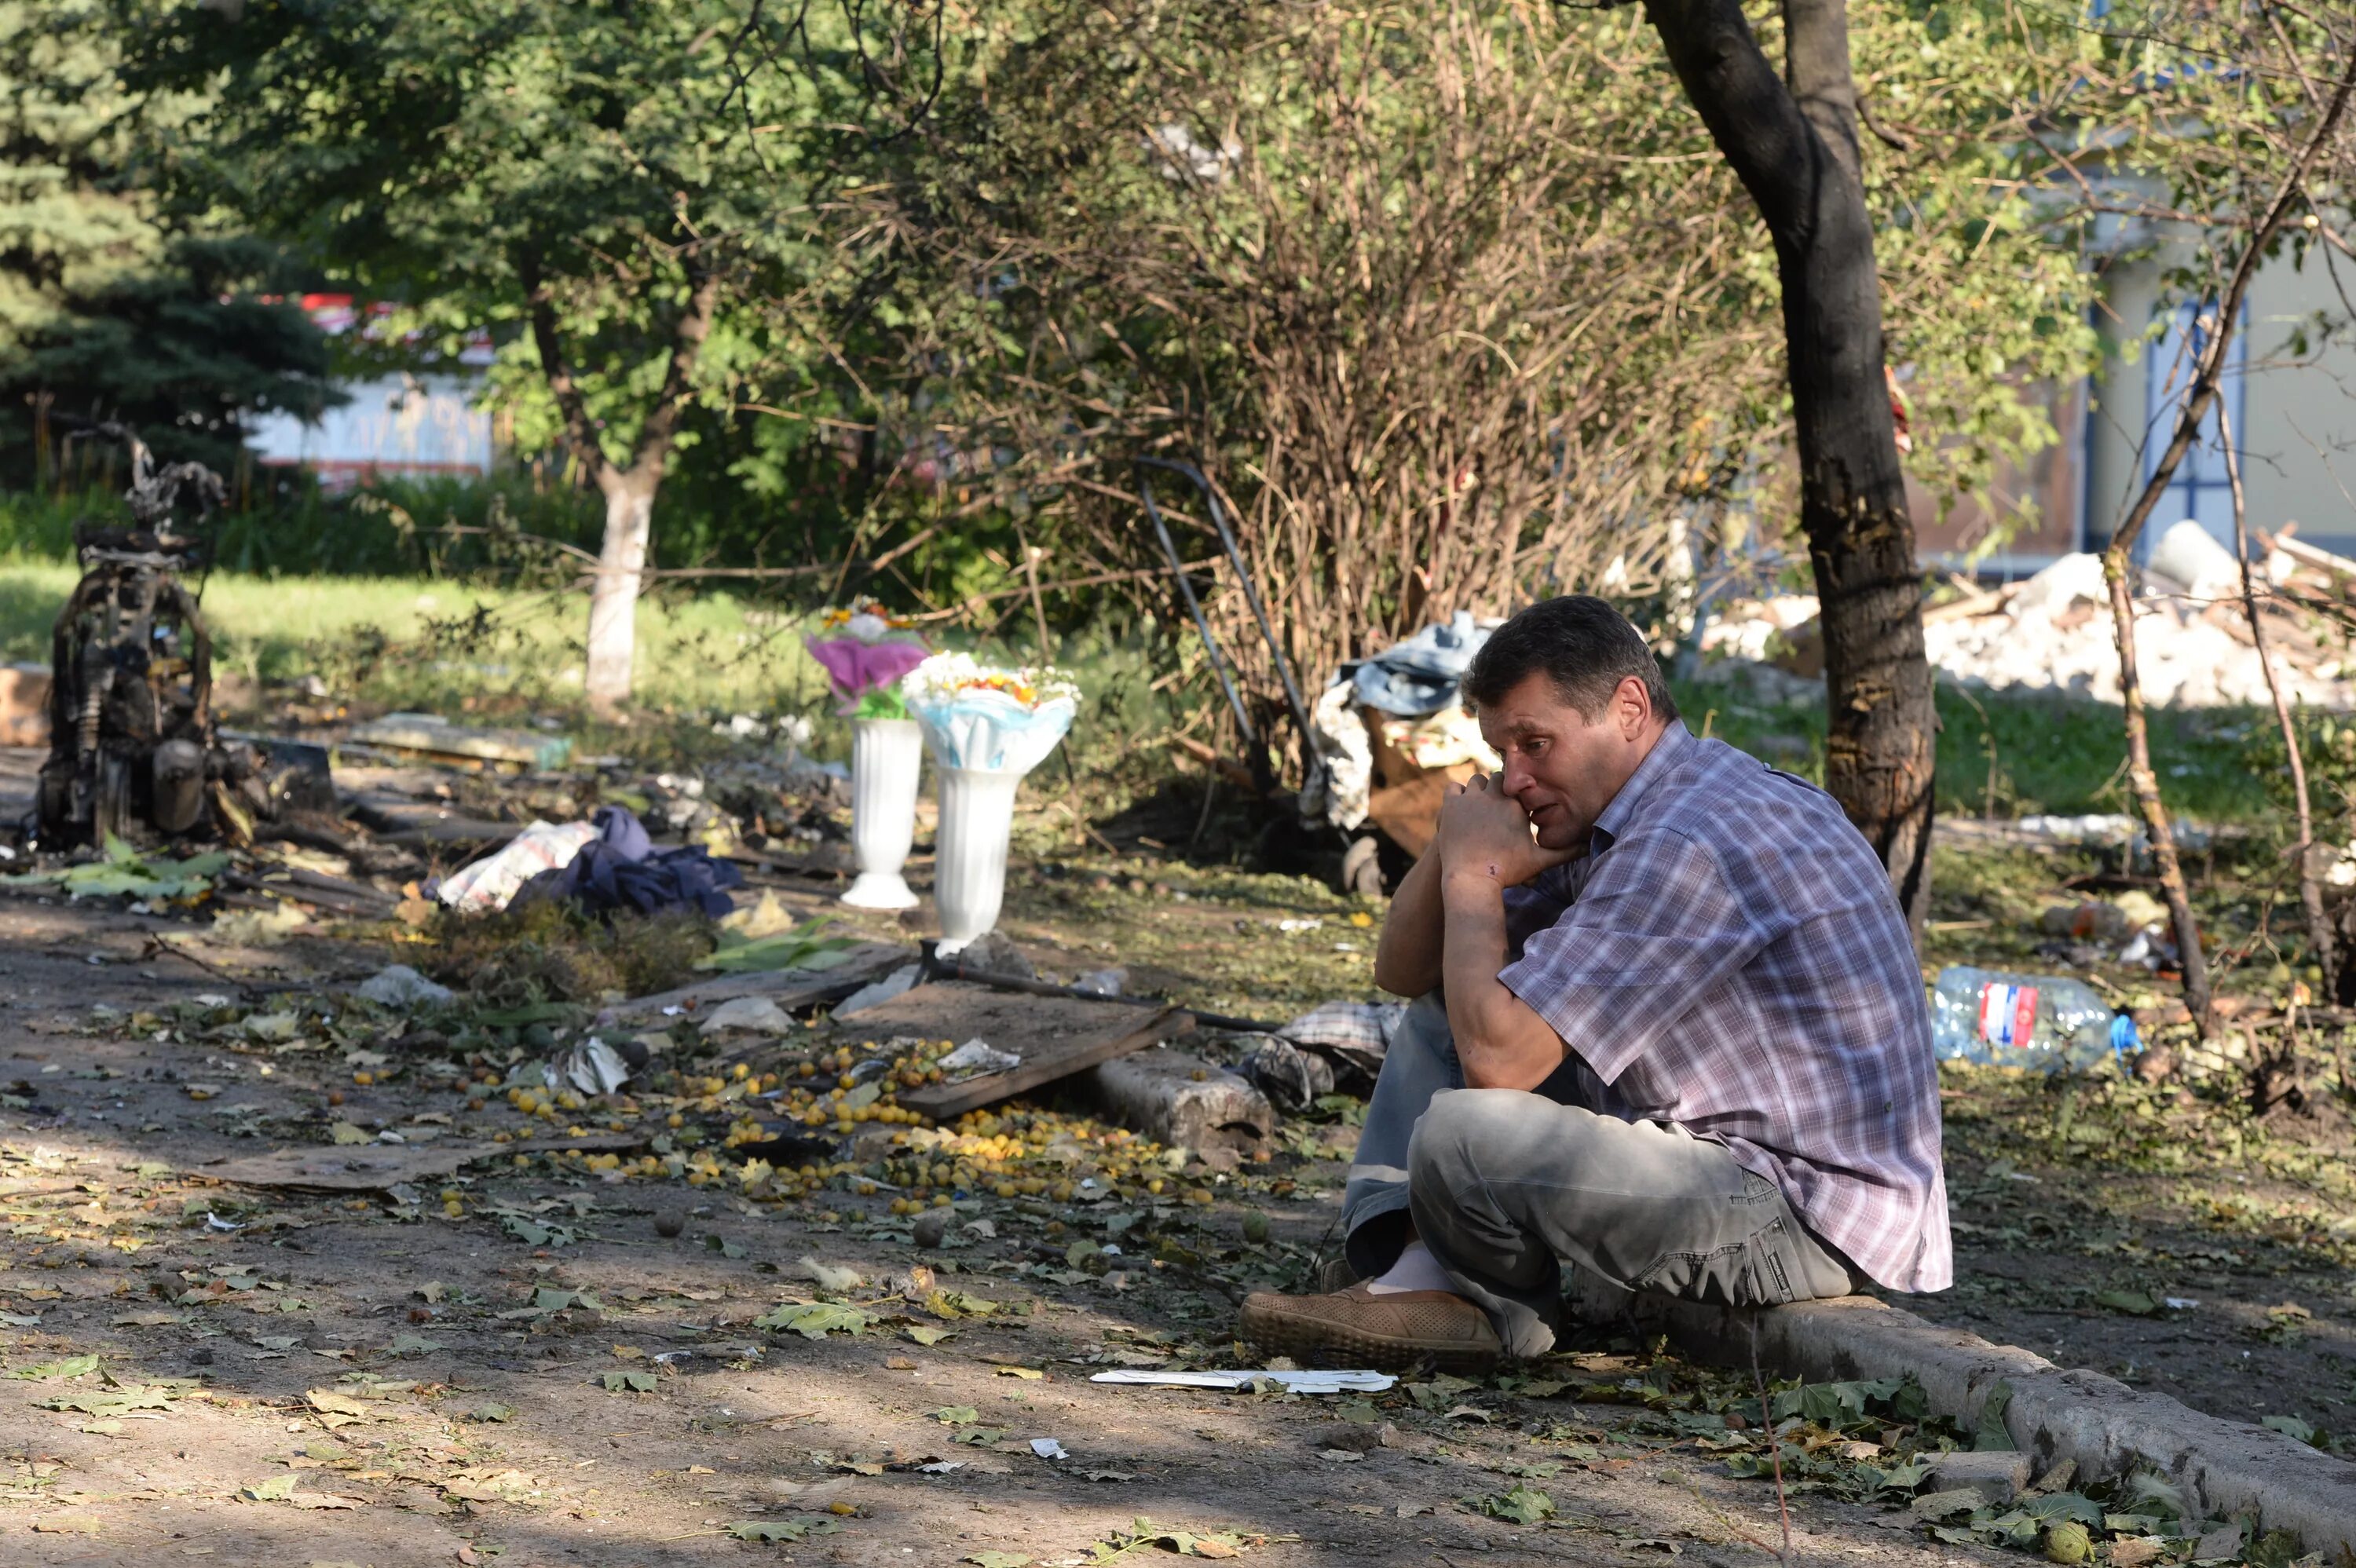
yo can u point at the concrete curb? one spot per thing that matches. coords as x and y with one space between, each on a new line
2224 1467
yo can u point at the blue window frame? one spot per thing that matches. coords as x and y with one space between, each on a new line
2200 488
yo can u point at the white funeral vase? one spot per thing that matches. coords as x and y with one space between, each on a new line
885 755
970 867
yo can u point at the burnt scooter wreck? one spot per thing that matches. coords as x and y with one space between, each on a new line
133 753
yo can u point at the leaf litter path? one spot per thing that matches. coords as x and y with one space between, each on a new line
2169 1243
335 1382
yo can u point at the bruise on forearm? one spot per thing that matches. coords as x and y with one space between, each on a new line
1501 1043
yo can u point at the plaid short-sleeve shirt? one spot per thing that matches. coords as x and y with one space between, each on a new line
1729 956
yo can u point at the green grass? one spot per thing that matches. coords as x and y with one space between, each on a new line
445 646
2023 754
490 655
451 648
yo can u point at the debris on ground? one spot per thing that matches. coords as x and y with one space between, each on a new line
1184 1102
1334 1046
1050 1038
593 1067
492 882
398 985
841 975
899 982
435 739
2054 631
619 869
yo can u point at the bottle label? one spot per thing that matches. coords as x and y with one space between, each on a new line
2008 1013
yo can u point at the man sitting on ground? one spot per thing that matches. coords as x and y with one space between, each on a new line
1668 1026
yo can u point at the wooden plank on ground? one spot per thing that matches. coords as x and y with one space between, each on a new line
1054 1036
790 988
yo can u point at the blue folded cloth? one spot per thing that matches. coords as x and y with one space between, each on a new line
620 870
1419 676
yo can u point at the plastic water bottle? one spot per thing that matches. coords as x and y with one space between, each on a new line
2041 1023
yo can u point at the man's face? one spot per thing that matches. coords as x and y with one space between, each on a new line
1562 768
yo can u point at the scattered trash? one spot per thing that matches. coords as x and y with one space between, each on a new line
897 983
619 869
593 1067
1050 1038
1419 676
756 1014
1334 1046
2190 557
1101 982
398 985
1292 1079
1311 1382
2104 829
492 883
976 1057
2053 632
1048 1448
2046 1023
784 988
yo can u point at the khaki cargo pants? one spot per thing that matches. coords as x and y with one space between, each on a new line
1505 1186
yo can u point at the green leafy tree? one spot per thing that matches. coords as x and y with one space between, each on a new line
1466 303
634 196
108 310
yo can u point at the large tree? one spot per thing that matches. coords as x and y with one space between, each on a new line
609 186
1464 305
108 310
1792 140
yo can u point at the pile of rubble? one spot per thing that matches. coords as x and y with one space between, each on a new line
2054 631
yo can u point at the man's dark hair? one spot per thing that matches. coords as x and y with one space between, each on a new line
1580 643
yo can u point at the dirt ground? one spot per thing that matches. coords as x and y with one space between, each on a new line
392 1364
517 1365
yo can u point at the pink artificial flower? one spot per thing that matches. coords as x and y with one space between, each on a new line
854 667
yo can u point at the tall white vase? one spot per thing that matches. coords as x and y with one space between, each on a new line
885 755
970 867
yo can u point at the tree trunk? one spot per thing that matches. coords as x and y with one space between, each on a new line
1793 141
614 597
629 492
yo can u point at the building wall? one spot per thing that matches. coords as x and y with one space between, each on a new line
2296 419
393 424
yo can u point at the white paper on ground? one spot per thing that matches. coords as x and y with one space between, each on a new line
1294 1382
974 1058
